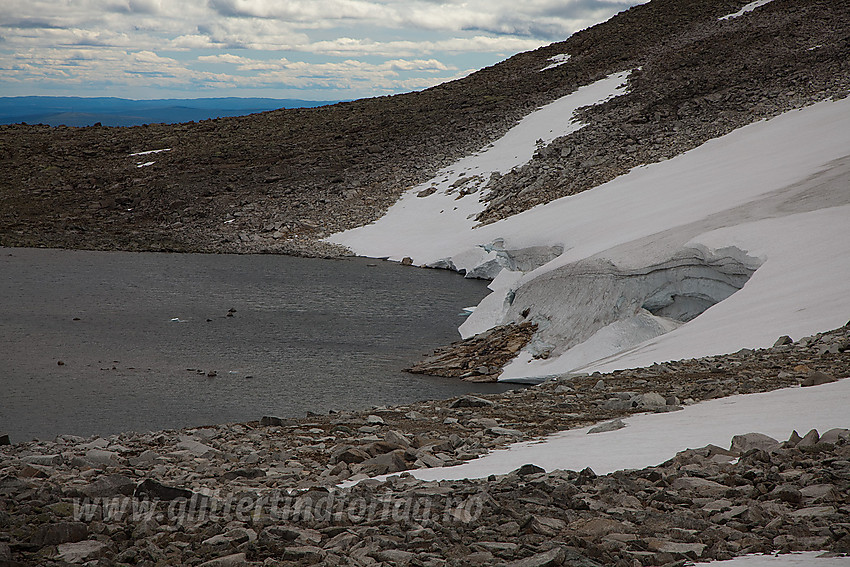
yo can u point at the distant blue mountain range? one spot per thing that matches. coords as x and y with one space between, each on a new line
109 111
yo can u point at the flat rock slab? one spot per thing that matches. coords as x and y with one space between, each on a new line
609 426
701 486
234 560
81 551
691 549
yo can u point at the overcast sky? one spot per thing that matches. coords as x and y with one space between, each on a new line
307 49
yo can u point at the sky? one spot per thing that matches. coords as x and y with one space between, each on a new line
306 49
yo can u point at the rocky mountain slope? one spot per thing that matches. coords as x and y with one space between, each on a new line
700 83
278 180
261 493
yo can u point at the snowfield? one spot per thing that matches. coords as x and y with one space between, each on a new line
727 246
651 439
440 224
807 559
752 231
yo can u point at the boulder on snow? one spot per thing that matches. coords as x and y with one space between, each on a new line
743 443
649 400
610 426
816 378
384 464
833 436
529 469
810 439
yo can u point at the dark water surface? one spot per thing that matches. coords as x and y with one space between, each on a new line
307 334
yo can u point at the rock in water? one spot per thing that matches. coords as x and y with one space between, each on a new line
270 421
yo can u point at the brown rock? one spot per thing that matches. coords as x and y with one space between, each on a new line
692 550
110 485
33 471
62 532
385 464
549 527
817 378
598 527
810 439
352 455
234 560
743 443
700 486
549 558
81 552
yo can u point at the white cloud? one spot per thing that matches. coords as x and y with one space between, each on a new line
224 58
367 46
149 57
308 11
136 6
193 41
416 65
346 46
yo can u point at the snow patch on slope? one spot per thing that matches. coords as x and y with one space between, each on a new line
148 152
650 439
771 195
433 215
805 559
748 8
556 61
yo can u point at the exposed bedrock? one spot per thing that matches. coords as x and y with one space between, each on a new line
573 303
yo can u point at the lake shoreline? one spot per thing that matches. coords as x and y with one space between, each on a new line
42 482
104 342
